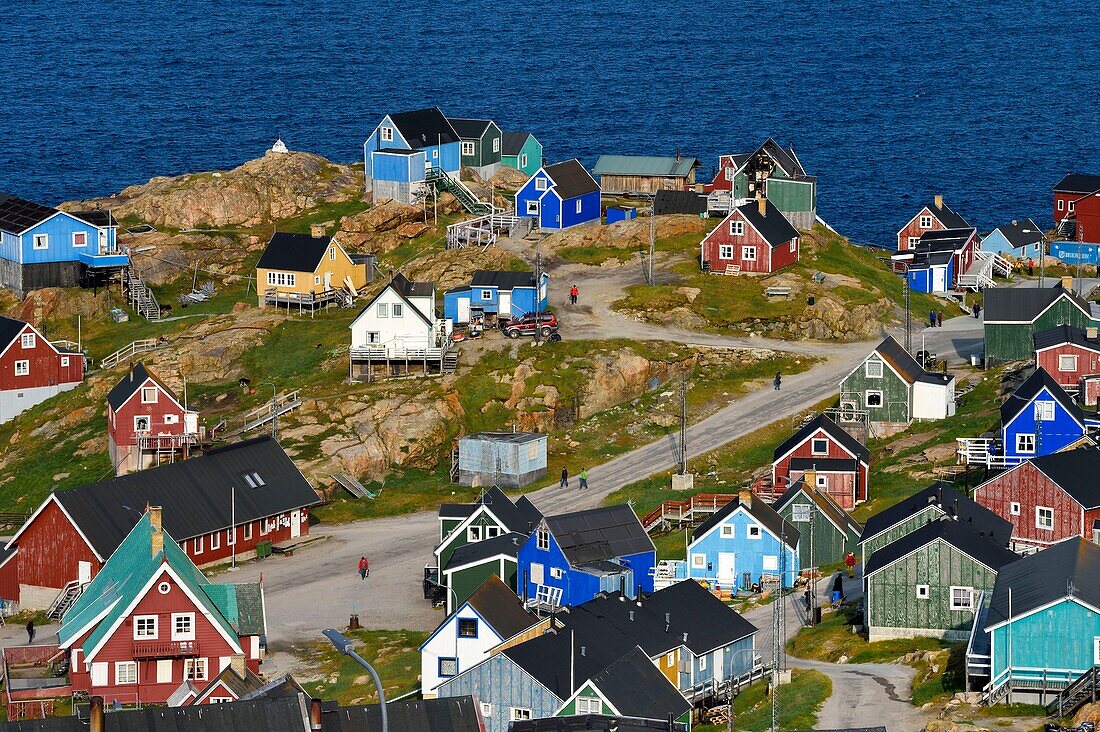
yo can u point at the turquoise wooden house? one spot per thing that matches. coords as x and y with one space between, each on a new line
559 196
520 150
740 544
828 532
1021 239
480 146
1039 630
407 151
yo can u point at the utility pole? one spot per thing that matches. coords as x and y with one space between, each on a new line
778 634
812 604
683 425
652 243
538 295
908 313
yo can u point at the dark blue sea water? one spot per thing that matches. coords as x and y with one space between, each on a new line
889 102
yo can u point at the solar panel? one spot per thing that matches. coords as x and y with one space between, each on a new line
17 215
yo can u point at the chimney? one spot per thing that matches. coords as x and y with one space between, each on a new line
157 543
810 478
583 649
1067 283
237 663
315 715
631 613
677 154
685 637
317 231
762 204
745 497
1091 333
1014 222
939 201
95 714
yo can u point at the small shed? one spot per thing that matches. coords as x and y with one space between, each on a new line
621 213
507 459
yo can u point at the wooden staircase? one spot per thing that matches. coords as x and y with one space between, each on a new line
141 297
484 230
69 594
1069 700
275 407
443 182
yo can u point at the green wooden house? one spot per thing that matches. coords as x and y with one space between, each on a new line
926 506
520 150
1014 315
890 389
774 172
834 533
629 687
480 145
471 564
927 583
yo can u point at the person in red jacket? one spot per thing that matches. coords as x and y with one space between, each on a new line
364 567
850 563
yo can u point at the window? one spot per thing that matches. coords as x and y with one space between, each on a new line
670 659
220 699
1067 363
748 254
383 310
922 592
1061 205
542 539
926 222
80 239
486 709
1044 411
171 419
1025 443
64 362
962 598
467 148
26 340
22 368
771 562
532 207
819 446
231 537
398 310
523 160
702 663
496 144
467 627
699 561
149 395
518 714
332 254
215 540
316 279
279 279
491 531
194 669
198 544
800 513
589 705
556 573
1014 508
41 241
486 295
753 532
873 398
246 531
126 672
145 627
727 531
435 153
737 228
873 369
794 244
1072 205
725 251
540 183
728 173
1044 518
164 588
183 626
265 527
374 337
387 134
1096 650
252 479
546 595
579 205
473 533
822 481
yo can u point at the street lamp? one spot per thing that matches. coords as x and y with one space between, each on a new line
729 702
274 410
345 646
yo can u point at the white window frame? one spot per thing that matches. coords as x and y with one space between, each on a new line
800 513
486 709
246 531
496 144
192 668
1072 206
523 160
386 133
580 205
171 419
821 481
870 372
926 222
532 207
913 241
794 244
813 446
467 148
547 595
922 592
728 172
383 310
41 241
23 367
148 389
540 183
1039 514
589 705
698 561
1061 204
198 544
867 398
556 573
332 254
397 310
752 531
769 562
969 606
1064 358
748 254
737 228
1014 508
703 663
542 539
726 531
27 341
486 295
185 635
519 714
725 251
64 362
1044 411
670 658
231 537
1025 443
83 234
148 418
474 534
220 699
492 532
150 624
216 540
125 673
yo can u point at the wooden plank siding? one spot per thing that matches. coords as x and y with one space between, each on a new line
893 608
465 581
846 489
500 682
50 552
1030 488
1015 341
897 394
460 535
913 229
830 544
646 183
1056 642
908 526
1087 363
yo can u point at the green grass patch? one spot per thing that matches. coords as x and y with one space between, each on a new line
940 677
833 638
393 653
800 700
596 256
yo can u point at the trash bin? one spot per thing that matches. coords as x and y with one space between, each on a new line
263 549
810 300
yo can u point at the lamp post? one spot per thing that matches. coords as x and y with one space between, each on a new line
274 410
729 703
345 646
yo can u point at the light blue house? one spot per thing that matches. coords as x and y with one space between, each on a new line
1040 627
494 294
572 557
407 150
740 543
1039 418
559 196
1020 239
45 247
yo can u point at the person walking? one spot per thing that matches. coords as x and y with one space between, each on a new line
939 319
364 567
1030 267
584 479
977 310
778 382
931 318
564 478
30 632
573 292
850 563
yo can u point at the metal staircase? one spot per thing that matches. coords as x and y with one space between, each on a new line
1066 229
260 416
443 182
69 594
1069 700
141 297
982 269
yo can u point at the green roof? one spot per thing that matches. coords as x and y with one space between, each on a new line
242 605
644 165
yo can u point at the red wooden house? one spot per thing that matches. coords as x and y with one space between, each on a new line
1069 355
219 505
235 682
147 424
756 237
151 620
32 369
936 217
1047 499
1071 189
837 461
1086 213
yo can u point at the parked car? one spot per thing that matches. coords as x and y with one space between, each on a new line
546 324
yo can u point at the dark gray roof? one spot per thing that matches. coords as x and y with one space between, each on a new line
479 551
595 723
564 659
469 129
837 515
946 240
1061 334
973 542
501 608
709 622
408 288
1022 233
895 354
1030 388
947 217
10 328
195 494
1069 568
762 512
678 202
424 127
502 279
456 510
926 259
17 214
293 252
599 533
99 217
449 714
239 685
520 515
832 429
571 179
773 226
399 151
1074 471
130 382
785 157
1024 304
947 501
515 438
512 142
636 688
1078 183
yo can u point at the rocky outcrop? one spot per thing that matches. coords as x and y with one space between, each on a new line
625 234
386 225
509 179
176 255
453 267
276 186
211 350
58 303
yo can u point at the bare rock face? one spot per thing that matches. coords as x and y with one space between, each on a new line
509 179
56 303
375 230
276 186
176 255
625 234
210 351
453 267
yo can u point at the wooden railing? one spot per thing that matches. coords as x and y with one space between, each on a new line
164 649
686 510
142 346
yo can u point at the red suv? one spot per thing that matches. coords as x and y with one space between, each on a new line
546 324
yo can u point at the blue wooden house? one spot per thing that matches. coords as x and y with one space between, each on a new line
406 150
1040 627
42 246
1020 239
573 556
559 196
741 542
1039 418
492 295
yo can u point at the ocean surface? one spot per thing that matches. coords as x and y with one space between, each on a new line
888 102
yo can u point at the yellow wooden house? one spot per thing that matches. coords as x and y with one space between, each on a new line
306 272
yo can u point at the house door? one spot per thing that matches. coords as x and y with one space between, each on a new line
295 524
505 310
83 572
464 310
726 570
328 280
939 279
102 241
